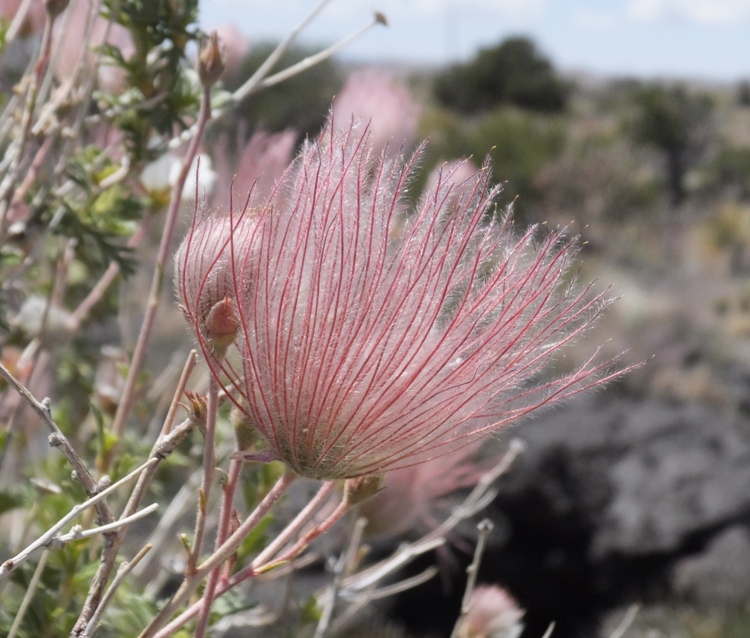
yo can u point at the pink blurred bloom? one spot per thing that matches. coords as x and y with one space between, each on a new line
412 498
374 96
235 45
460 173
33 19
259 166
492 614
363 353
80 50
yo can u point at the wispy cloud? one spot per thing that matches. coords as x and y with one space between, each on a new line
704 12
594 20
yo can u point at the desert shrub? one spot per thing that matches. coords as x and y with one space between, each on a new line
676 122
513 72
728 171
520 145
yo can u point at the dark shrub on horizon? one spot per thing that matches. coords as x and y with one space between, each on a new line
514 72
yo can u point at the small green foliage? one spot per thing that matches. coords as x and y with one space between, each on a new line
310 611
675 121
257 480
233 602
256 540
129 614
10 498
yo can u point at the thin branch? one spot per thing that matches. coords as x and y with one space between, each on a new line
485 527
402 556
190 583
308 537
260 78
58 439
77 533
407 552
48 537
139 354
283 537
122 572
343 564
17 22
626 621
209 469
477 499
163 447
312 60
28 595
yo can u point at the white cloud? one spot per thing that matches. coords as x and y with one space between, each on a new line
594 20
704 12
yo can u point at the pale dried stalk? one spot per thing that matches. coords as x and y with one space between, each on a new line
191 582
58 439
260 79
626 621
77 533
209 469
15 154
344 564
485 527
139 354
122 572
477 499
48 537
163 447
28 595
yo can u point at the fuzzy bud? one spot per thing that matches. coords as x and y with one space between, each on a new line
211 61
222 324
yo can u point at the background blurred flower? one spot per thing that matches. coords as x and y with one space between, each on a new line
492 614
81 50
411 499
375 97
158 178
235 45
259 166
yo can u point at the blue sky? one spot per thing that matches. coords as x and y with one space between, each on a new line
697 39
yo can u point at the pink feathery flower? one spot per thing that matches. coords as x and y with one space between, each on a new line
364 351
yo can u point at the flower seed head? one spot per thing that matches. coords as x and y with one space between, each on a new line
366 350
